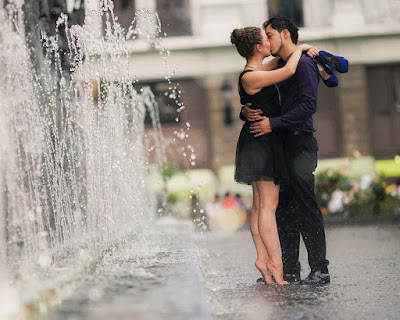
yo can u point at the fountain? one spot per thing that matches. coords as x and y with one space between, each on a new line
74 152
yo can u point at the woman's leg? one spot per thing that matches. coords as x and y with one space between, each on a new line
268 194
262 254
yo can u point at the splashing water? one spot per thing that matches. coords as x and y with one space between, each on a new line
73 149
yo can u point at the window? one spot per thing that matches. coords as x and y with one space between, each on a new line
168 101
175 17
396 87
124 4
384 110
293 9
125 11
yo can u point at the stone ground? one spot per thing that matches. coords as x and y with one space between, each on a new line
185 275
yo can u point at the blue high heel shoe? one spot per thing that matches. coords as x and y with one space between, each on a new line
326 74
338 63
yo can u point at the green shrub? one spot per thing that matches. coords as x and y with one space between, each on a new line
168 171
173 198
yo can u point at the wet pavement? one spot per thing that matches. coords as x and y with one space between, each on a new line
365 281
155 277
180 274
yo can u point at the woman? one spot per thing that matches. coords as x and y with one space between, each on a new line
259 159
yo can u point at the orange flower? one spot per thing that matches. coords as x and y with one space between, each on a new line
323 210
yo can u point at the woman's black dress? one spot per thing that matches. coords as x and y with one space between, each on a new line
260 158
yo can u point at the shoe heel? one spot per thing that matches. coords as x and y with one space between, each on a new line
327 76
339 63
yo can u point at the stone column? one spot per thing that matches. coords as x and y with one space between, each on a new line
223 138
347 13
4 144
253 12
353 111
3 226
317 13
93 16
150 5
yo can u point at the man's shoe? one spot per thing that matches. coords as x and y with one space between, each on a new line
292 278
316 277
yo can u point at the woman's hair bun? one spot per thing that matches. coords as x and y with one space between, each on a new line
237 35
245 39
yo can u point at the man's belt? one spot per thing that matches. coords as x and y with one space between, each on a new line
298 133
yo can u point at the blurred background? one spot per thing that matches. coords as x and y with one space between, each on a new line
362 113
358 122
181 50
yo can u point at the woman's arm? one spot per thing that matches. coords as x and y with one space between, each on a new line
255 81
270 65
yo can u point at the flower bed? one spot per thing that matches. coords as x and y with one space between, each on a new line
371 195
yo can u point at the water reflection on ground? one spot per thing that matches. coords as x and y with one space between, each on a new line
364 272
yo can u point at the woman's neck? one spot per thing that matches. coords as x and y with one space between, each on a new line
255 63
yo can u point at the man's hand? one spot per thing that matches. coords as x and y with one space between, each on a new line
250 114
260 128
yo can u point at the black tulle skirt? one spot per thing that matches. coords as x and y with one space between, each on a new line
260 159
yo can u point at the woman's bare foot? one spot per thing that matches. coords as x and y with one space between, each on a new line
266 274
277 272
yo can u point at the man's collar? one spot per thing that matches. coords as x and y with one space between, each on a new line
282 62
288 57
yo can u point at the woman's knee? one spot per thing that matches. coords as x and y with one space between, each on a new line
269 207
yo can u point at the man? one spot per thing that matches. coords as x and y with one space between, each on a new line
298 212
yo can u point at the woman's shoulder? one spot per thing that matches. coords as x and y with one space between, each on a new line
241 80
244 76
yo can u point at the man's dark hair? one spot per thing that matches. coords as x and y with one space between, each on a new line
282 23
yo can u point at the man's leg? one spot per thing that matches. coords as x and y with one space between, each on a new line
303 163
289 235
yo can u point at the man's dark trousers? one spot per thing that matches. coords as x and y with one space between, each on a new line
298 211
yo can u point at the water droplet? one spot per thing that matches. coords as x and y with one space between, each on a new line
44 260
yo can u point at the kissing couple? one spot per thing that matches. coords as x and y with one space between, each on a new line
277 152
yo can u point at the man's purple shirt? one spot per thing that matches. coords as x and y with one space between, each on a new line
298 97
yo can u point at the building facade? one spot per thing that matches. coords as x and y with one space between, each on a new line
361 115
